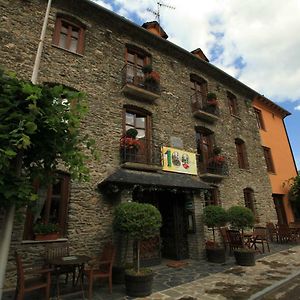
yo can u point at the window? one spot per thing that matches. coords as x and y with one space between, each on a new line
199 89
51 207
232 103
241 154
249 199
269 160
136 59
212 197
140 120
205 143
69 35
259 119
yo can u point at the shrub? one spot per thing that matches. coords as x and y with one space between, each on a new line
41 228
241 217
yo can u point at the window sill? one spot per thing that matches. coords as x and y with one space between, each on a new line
25 242
271 172
78 54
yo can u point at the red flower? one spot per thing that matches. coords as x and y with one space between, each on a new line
217 159
130 143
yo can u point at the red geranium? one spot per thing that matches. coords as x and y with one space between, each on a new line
130 143
217 159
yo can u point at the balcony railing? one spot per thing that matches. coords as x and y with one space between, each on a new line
213 170
136 83
202 110
143 152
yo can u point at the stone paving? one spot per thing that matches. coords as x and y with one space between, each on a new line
207 281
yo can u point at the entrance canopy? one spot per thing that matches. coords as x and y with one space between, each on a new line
162 179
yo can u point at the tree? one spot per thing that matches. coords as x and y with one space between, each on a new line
39 131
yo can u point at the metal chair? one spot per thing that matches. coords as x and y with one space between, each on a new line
101 267
31 279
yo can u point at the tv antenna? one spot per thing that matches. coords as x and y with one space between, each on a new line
157 12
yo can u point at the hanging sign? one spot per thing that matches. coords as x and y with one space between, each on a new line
180 161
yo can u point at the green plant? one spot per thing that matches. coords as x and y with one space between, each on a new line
147 69
213 217
211 96
217 150
241 217
40 129
294 188
41 228
139 221
131 133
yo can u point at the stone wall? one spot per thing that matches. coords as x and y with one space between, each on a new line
98 74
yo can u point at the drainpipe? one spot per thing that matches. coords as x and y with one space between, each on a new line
36 65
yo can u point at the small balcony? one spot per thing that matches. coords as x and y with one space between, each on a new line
213 170
201 109
142 154
139 85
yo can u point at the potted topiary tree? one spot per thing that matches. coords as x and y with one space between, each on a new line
241 218
214 217
139 221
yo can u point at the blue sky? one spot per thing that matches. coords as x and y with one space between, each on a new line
256 42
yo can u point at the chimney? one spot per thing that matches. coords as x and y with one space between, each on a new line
155 28
199 53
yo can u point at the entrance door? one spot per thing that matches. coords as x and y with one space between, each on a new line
173 232
278 201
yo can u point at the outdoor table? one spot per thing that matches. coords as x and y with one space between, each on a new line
72 260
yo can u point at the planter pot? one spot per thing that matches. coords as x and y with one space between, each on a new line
215 255
244 258
47 236
138 286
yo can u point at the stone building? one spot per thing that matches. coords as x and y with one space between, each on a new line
91 49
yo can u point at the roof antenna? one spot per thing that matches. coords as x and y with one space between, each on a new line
157 12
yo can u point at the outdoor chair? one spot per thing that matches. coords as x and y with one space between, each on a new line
260 236
60 250
31 279
235 239
272 231
101 267
285 234
225 239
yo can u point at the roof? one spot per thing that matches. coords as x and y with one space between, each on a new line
200 54
273 106
174 49
161 179
154 24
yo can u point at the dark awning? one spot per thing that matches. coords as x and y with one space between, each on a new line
161 179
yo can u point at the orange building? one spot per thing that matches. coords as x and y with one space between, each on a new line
278 155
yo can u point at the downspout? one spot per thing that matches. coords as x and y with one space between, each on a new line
38 56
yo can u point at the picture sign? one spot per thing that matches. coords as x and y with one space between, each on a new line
180 161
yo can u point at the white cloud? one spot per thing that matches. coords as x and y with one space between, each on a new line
264 35
104 4
297 107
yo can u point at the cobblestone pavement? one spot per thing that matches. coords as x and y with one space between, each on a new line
207 281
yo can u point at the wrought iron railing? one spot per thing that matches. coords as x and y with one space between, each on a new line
134 75
213 167
142 151
199 102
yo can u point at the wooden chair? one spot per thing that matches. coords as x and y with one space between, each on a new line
225 239
60 250
285 234
235 239
260 236
272 231
31 279
101 267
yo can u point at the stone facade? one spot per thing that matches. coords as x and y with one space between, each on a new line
98 73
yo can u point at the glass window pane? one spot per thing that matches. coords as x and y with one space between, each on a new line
73 46
130 57
75 33
140 61
140 122
129 119
129 127
64 29
141 133
62 40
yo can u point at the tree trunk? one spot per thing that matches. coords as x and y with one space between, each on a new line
6 233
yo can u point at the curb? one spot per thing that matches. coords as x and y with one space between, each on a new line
273 287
